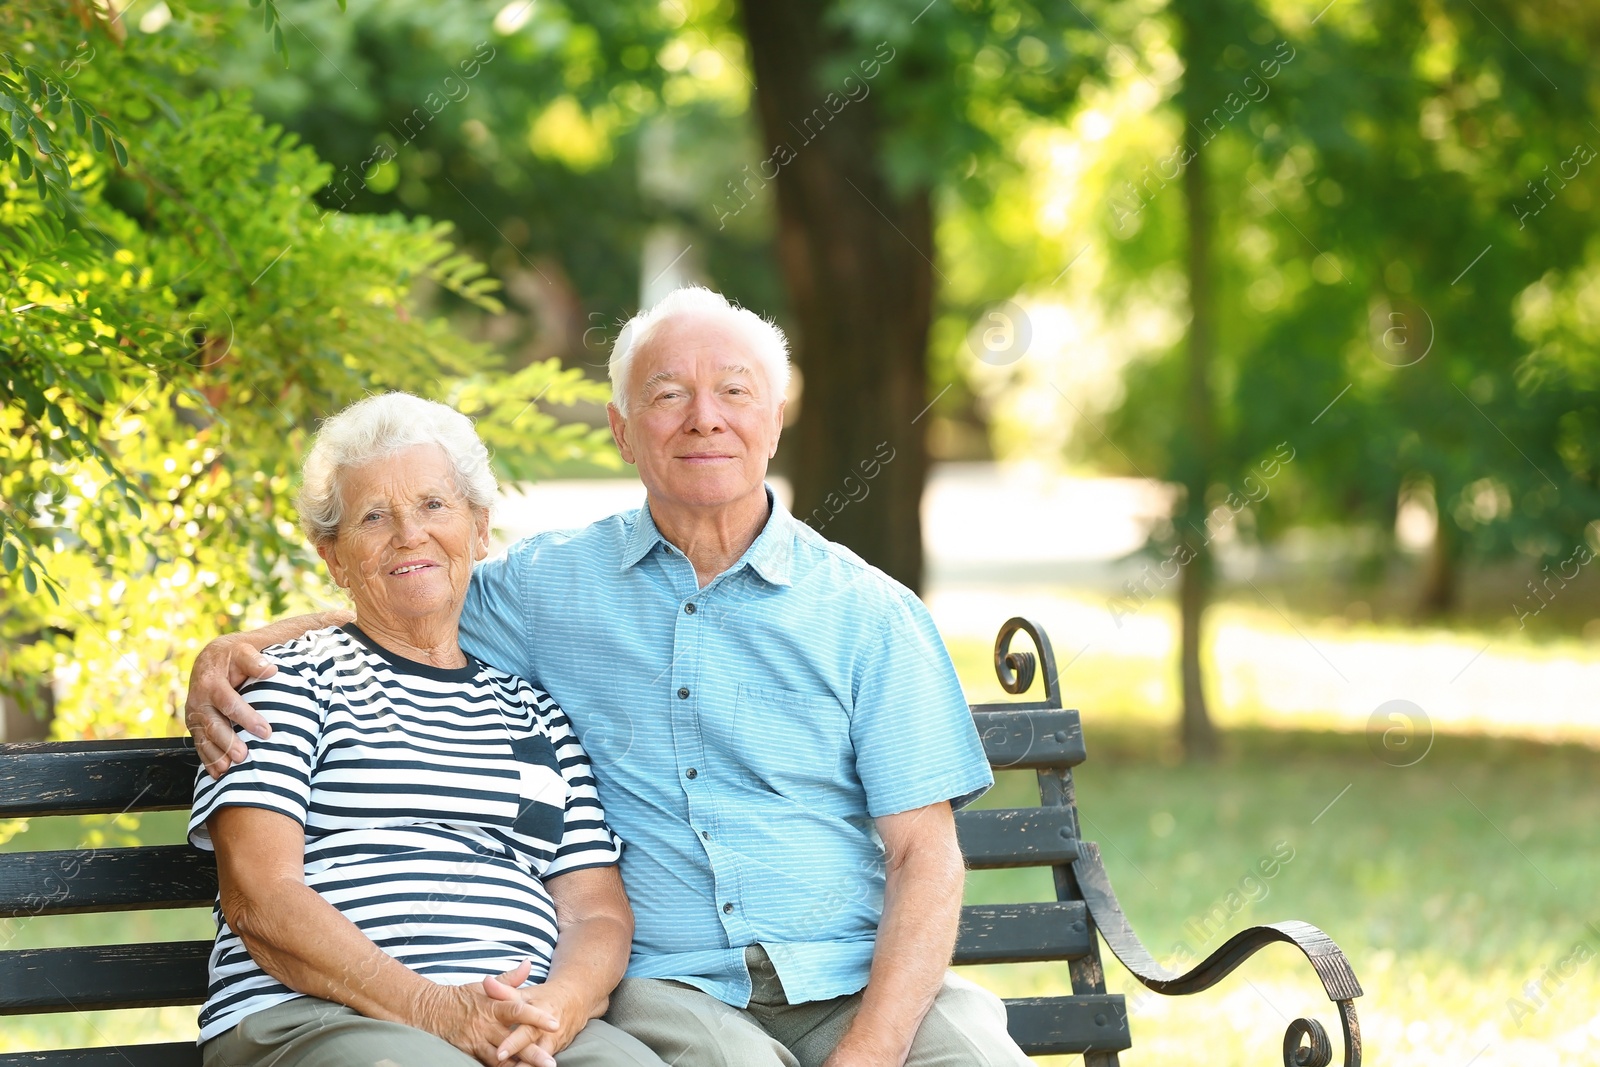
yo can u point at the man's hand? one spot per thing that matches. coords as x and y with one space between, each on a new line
214 704
540 1046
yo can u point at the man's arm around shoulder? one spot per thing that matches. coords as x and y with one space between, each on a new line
213 704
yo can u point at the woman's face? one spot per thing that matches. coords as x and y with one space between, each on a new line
408 539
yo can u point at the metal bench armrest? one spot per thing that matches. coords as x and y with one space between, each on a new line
1338 978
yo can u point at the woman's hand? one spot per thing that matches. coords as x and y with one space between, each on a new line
536 1046
478 1022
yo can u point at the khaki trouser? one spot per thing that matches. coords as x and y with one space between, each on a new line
307 1032
687 1028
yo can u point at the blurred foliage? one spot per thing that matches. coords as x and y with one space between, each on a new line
1360 324
1405 268
177 314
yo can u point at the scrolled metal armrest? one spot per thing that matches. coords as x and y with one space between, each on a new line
1306 1043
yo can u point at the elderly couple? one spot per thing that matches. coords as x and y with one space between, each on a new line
417 861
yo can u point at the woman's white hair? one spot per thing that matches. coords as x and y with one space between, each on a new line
767 342
376 428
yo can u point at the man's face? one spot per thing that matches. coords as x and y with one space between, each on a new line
704 419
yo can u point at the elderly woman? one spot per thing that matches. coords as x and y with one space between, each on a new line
421 836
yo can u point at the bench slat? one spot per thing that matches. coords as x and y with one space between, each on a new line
100 777
174 972
96 777
105 879
1016 837
171 1054
1015 933
103 976
1087 1022
1051 737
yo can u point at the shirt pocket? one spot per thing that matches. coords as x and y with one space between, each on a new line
782 736
542 799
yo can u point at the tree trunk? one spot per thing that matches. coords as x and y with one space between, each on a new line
857 264
1198 438
1438 594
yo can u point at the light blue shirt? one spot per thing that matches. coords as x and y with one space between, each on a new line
745 735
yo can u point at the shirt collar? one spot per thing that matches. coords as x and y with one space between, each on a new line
771 554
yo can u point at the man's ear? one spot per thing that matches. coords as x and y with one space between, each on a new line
777 431
619 432
330 556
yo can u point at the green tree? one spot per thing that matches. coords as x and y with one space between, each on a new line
178 312
1381 304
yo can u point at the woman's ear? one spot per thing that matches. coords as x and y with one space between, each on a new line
329 551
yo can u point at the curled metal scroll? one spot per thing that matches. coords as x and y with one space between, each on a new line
1017 670
1306 1044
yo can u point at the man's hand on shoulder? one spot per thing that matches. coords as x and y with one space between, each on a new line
213 704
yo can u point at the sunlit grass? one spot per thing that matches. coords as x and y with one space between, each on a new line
1451 884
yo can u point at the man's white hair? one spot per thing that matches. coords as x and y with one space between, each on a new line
376 428
767 342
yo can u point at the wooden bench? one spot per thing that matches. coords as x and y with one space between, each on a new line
93 777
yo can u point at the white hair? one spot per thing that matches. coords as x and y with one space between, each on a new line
378 427
767 342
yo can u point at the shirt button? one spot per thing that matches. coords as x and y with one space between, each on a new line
692 773
683 694
705 835
727 909
689 609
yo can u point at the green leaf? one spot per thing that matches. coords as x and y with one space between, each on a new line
24 165
35 83
44 186
120 152
41 134
279 43
80 118
29 581
98 132
8 557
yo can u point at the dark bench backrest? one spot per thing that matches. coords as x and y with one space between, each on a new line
101 777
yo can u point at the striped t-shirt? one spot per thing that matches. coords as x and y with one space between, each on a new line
435 802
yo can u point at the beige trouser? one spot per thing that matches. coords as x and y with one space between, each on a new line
688 1028
307 1032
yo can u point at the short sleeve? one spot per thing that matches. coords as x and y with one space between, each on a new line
914 737
276 774
586 840
494 619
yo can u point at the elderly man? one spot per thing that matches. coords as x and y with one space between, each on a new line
778 733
